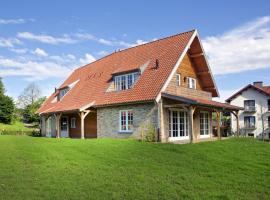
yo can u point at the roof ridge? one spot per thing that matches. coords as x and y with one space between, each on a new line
132 47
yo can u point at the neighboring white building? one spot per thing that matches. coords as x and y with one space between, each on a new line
255 118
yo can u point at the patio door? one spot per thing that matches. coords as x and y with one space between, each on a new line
204 124
64 127
178 125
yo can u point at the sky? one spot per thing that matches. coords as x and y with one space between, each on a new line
44 41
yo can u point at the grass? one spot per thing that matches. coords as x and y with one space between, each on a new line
16 128
43 168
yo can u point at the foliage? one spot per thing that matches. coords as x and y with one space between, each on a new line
49 168
6 109
2 88
149 133
30 111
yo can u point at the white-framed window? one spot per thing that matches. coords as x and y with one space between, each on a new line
178 79
62 93
73 122
178 124
125 120
204 123
126 81
191 83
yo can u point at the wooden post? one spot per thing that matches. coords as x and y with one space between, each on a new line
191 124
83 114
58 124
218 125
237 124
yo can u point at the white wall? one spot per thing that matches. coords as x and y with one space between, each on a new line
260 101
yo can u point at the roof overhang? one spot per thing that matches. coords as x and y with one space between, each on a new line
202 102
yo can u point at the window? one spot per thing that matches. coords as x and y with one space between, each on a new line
124 82
126 121
268 104
73 122
249 105
178 79
191 83
62 93
204 123
178 124
249 121
268 121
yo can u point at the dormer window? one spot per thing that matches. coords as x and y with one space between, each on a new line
126 81
62 93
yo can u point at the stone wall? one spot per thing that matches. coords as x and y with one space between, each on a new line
108 120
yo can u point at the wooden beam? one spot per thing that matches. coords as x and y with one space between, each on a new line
58 124
218 125
196 55
236 114
203 73
82 115
175 105
191 123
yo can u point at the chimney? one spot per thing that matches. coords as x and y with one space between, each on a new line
258 83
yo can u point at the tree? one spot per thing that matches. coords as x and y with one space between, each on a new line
2 88
30 111
29 95
6 109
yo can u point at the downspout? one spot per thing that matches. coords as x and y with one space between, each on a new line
158 122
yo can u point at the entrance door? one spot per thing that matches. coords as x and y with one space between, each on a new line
178 125
64 127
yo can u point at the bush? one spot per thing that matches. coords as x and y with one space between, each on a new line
149 133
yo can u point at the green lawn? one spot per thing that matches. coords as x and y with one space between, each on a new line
43 168
16 126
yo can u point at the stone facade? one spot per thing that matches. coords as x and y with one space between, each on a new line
143 115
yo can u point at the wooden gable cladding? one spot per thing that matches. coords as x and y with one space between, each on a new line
187 69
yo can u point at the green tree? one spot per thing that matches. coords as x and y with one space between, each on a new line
30 111
6 109
2 88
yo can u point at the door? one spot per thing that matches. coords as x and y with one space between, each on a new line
178 125
204 124
64 127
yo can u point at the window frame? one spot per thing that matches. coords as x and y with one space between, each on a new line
73 122
268 103
205 129
128 122
249 117
190 83
178 79
247 105
125 81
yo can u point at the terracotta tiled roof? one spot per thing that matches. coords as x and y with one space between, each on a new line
201 102
263 89
94 78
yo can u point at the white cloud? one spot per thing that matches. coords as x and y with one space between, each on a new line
87 59
12 21
9 42
102 53
19 51
243 48
40 52
46 38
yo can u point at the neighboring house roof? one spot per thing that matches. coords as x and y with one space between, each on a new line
262 89
201 102
95 78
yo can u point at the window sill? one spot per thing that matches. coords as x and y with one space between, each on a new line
125 132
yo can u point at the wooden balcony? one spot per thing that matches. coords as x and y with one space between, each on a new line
184 91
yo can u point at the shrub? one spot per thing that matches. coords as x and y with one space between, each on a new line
6 109
149 133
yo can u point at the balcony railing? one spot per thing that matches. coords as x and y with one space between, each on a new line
249 126
250 109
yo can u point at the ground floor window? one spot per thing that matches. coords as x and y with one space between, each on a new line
125 120
204 123
178 124
73 122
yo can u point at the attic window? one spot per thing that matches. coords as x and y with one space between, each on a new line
126 81
62 93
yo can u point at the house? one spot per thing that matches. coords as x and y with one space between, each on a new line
165 86
254 120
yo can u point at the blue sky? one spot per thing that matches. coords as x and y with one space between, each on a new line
43 41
